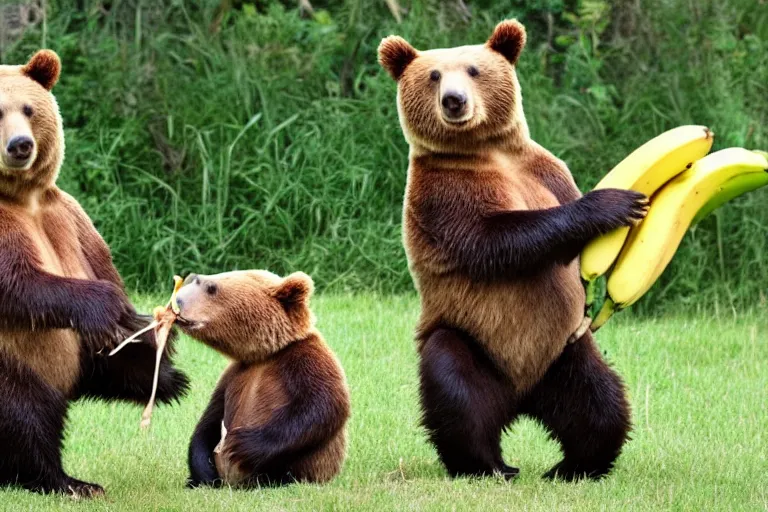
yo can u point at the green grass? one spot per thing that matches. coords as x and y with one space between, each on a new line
697 385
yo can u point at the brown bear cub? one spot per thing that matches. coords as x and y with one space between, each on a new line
62 303
279 412
493 224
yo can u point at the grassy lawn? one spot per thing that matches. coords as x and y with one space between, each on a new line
697 384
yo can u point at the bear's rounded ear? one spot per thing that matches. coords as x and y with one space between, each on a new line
395 53
295 289
508 39
44 68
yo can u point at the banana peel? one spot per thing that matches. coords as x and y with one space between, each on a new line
164 317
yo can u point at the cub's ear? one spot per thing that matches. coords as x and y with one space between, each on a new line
295 289
395 53
508 39
44 68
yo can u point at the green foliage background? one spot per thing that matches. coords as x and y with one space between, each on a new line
209 135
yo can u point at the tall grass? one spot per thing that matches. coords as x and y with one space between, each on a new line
273 140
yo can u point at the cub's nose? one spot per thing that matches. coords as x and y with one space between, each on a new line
454 103
20 149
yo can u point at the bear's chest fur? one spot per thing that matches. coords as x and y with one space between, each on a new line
53 353
254 392
54 234
524 322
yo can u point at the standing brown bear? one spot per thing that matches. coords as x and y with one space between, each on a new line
493 224
62 304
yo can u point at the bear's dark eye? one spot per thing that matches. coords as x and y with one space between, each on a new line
27 111
211 289
434 76
473 71
1 114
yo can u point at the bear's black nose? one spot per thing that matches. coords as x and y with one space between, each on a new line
20 148
454 103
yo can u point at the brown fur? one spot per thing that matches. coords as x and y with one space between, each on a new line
253 394
508 39
497 312
281 361
44 221
21 86
50 235
232 320
497 123
44 68
490 165
492 226
395 55
62 302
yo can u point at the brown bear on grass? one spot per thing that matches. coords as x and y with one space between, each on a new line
62 304
493 225
278 413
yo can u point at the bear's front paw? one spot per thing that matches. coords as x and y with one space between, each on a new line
612 208
98 316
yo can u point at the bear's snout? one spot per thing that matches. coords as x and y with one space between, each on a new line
454 104
191 299
20 150
187 294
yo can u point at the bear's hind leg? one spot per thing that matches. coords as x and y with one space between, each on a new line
466 403
582 402
208 434
32 416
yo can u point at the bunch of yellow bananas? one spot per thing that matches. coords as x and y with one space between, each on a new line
684 185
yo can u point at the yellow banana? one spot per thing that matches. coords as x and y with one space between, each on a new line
734 187
652 244
645 170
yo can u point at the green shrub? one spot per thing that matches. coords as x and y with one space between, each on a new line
269 140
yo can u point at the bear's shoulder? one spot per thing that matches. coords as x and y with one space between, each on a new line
545 169
69 205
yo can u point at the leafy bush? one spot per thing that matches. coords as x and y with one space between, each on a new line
205 137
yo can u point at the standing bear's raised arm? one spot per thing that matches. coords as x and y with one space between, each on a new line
488 244
31 298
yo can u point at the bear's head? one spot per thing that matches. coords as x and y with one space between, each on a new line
246 315
455 98
31 134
